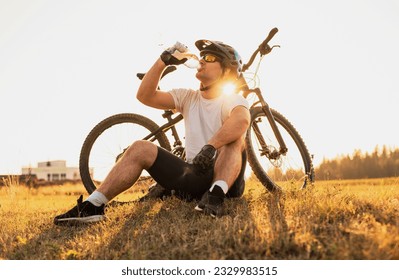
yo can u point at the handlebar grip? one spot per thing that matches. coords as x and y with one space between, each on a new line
270 36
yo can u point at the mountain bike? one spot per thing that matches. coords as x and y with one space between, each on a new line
276 152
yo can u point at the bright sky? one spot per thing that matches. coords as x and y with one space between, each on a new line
66 65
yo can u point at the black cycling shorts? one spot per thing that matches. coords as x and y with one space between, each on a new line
173 173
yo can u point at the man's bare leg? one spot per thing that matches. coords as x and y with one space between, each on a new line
228 163
140 155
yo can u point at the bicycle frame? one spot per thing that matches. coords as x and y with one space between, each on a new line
167 126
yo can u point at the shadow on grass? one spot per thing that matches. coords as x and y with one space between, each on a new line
173 230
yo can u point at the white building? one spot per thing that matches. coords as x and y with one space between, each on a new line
53 171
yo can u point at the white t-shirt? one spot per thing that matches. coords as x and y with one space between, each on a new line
203 117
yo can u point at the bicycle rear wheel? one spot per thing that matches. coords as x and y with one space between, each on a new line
290 170
108 140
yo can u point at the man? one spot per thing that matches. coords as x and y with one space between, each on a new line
215 125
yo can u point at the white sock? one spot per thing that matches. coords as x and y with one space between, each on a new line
97 198
222 184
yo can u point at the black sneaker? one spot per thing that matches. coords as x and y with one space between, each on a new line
83 213
211 203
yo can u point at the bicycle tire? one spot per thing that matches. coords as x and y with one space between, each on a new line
298 174
125 119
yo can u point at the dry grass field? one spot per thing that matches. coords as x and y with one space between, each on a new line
336 220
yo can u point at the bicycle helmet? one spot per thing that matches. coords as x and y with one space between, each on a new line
230 57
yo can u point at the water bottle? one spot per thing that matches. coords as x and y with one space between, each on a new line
182 52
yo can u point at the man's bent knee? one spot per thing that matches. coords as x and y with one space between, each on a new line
233 147
143 152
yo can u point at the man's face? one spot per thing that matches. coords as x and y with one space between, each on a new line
210 70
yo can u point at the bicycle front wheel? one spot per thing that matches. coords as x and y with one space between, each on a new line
107 142
292 169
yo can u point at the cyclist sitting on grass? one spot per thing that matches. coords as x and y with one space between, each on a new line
215 126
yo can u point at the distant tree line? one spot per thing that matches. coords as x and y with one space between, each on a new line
382 162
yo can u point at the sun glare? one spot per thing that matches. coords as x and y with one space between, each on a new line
229 89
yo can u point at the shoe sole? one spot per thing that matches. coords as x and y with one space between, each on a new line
199 209
79 221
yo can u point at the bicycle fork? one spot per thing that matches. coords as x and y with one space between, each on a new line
265 150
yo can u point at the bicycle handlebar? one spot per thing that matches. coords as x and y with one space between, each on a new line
263 48
269 37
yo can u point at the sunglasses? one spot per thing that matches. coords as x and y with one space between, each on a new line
210 58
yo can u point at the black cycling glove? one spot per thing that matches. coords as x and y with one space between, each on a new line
205 159
169 55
